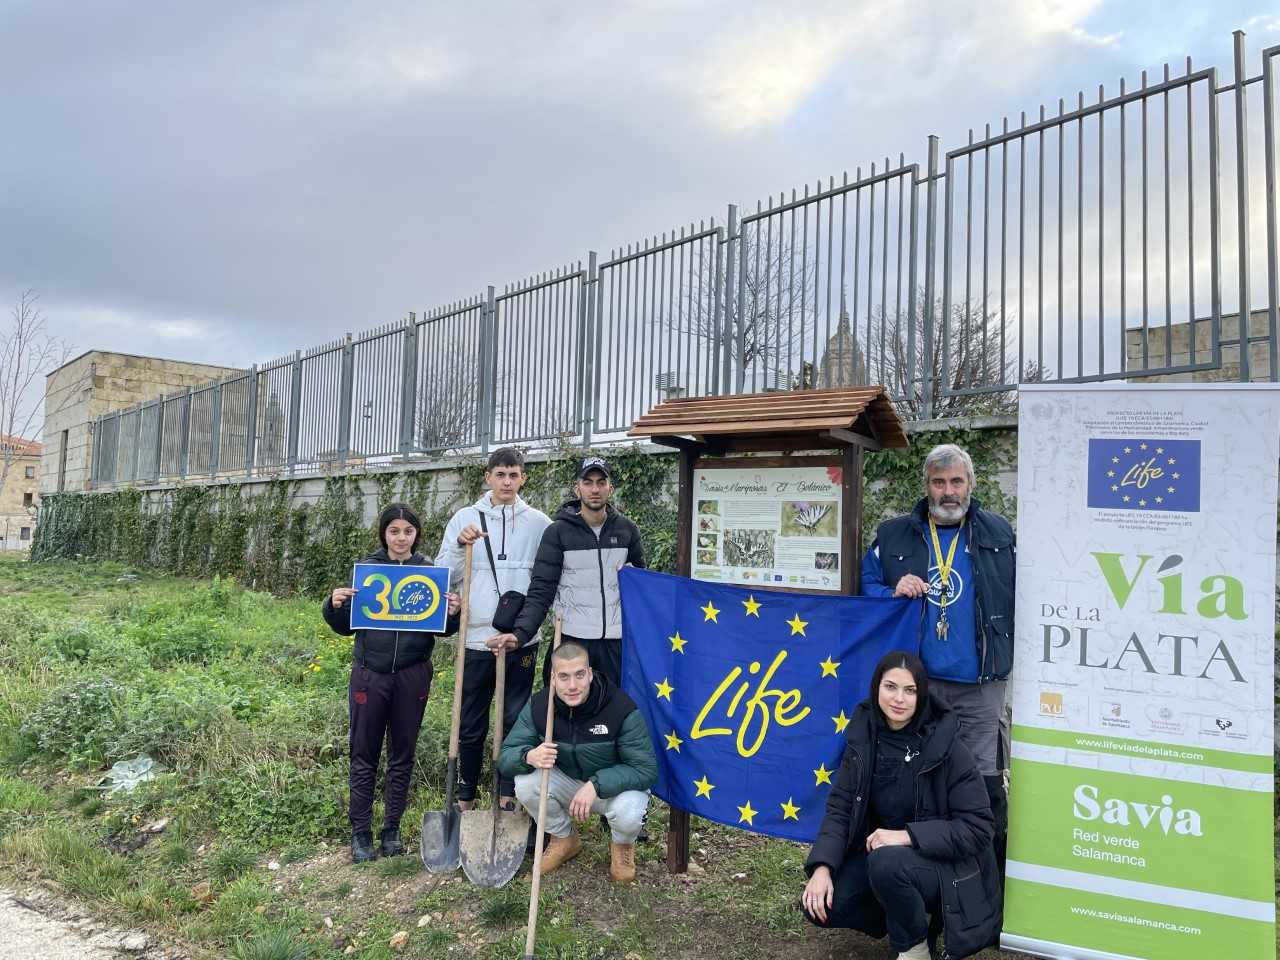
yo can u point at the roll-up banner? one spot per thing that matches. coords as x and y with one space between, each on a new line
1141 814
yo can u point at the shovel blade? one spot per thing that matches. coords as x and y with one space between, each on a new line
492 844
439 844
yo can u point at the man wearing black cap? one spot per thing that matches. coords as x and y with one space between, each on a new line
577 567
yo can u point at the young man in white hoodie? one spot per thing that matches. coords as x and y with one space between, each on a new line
504 527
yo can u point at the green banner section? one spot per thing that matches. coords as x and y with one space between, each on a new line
1128 927
1167 832
1142 749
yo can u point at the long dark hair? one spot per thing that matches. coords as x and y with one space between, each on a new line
908 662
398 511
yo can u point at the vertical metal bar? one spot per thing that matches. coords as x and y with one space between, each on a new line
159 448
1242 200
1040 252
1080 239
1191 221
487 355
1168 233
946 320
1146 317
1062 137
733 310
966 343
1004 248
1022 260
930 242
215 431
1124 276
588 347
251 421
1102 231
1273 248
871 287
408 385
184 440
884 283
986 254
1215 238
346 385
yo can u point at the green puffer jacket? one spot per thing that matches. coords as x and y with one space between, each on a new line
603 740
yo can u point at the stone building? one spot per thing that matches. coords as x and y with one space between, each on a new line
20 492
99 382
841 364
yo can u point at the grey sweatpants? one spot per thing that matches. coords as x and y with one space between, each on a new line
625 812
984 722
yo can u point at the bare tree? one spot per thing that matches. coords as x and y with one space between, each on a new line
972 349
27 352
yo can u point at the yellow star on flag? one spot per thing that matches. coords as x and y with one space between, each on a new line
828 667
821 775
746 813
677 643
789 810
841 722
1111 473
1128 450
1159 499
673 742
1159 449
797 625
665 689
704 787
1114 488
1170 489
1177 475
710 611
1172 461
1126 498
753 606
1115 459
1142 446
1142 503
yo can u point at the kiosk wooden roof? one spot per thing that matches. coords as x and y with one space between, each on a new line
794 420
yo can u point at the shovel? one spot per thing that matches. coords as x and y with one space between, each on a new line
493 841
531 936
440 827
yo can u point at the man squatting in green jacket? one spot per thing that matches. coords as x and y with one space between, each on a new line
600 758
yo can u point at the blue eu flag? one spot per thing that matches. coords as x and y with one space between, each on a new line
747 694
1144 474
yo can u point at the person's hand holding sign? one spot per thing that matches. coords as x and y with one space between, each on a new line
342 594
455 604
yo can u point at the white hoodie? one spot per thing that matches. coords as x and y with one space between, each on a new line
515 530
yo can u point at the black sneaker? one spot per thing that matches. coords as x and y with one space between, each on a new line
362 847
391 845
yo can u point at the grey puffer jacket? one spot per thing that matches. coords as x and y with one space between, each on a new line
578 572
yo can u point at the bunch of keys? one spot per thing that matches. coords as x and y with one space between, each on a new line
942 613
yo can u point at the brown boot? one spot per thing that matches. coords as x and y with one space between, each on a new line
622 862
561 850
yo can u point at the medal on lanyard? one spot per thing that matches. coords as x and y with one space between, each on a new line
944 573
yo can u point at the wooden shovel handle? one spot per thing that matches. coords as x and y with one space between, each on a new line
460 658
542 809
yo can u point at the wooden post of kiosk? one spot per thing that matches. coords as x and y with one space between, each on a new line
773 432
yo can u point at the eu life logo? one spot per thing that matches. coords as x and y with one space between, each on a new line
1145 475
400 597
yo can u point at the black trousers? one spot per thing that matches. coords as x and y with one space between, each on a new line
390 706
479 680
891 889
604 657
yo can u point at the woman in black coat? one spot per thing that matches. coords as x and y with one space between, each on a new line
908 828
387 694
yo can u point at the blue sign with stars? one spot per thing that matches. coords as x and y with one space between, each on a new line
1144 474
393 596
747 695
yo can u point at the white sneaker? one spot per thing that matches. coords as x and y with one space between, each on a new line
919 952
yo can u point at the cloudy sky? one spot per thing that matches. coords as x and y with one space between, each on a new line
227 182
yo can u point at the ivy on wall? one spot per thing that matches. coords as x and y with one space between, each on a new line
274 541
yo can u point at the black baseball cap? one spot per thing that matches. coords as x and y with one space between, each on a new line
594 463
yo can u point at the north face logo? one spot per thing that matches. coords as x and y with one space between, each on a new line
600 728
613 540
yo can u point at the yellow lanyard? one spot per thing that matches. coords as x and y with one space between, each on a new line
944 566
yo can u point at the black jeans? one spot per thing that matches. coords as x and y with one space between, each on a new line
603 656
382 705
891 889
478 683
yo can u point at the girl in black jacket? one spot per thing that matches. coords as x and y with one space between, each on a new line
907 832
387 694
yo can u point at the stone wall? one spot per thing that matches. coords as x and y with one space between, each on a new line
1178 338
99 382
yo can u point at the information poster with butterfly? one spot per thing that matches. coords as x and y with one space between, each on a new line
392 596
768 526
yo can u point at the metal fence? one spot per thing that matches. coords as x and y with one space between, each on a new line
1130 235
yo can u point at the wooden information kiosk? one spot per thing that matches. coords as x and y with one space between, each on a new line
760 466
